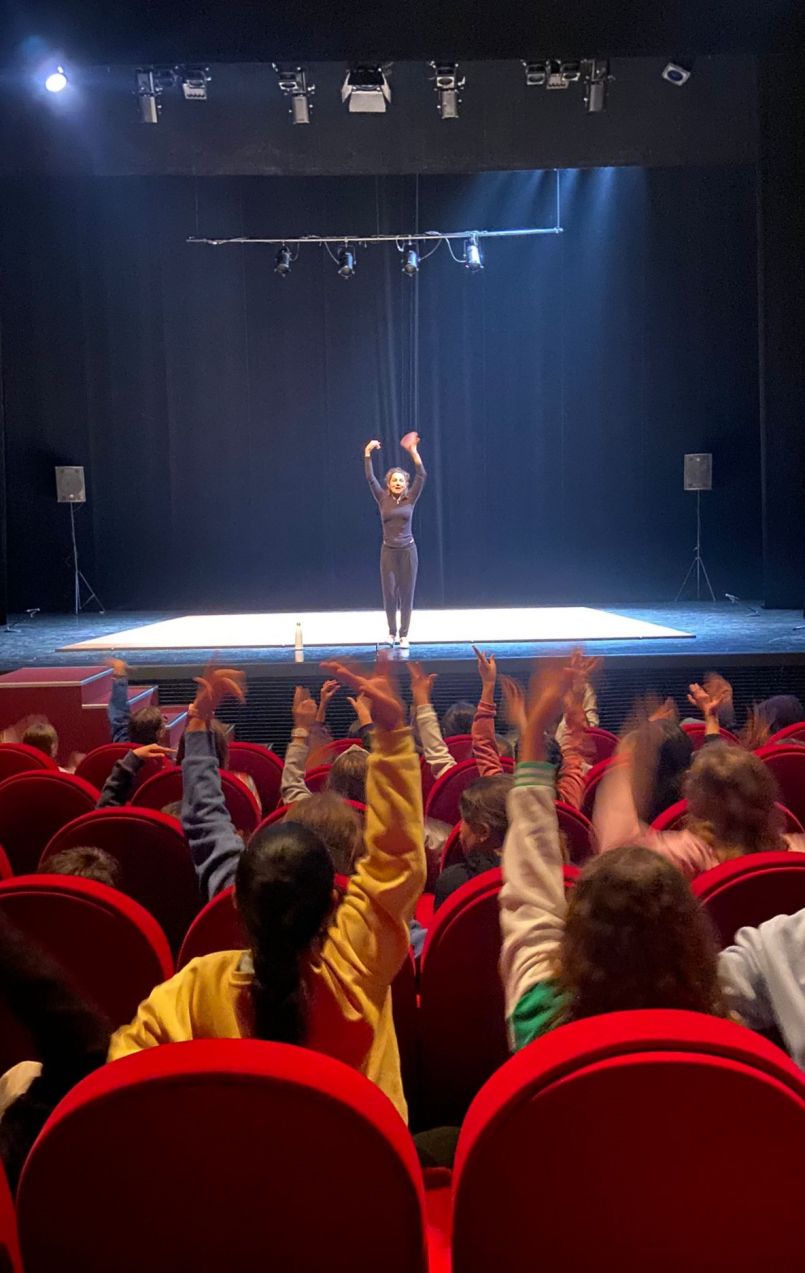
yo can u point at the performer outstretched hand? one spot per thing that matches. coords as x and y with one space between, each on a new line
374 445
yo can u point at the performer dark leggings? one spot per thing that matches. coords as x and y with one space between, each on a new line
398 567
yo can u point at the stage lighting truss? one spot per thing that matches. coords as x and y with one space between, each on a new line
414 248
152 83
366 90
448 85
298 89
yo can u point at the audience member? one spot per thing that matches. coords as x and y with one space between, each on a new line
457 719
316 973
43 737
483 828
336 823
142 727
86 861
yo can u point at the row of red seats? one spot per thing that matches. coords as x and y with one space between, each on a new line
450 1024
241 1154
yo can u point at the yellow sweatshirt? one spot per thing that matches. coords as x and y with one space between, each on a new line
365 947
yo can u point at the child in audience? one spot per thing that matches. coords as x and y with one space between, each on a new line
336 823
347 776
147 725
319 968
457 719
85 861
731 798
126 772
483 827
43 737
631 935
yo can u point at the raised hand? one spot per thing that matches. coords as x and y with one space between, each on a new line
488 672
362 709
325 694
421 684
118 666
378 687
709 700
214 686
549 684
304 708
719 688
667 710
513 702
374 445
410 442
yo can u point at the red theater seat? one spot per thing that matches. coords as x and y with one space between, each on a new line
10 1261
787 763
262 766
593 778
316 778
210 1154
109 946
326 754
166 788
284 809
156 867
443 798
99 763
613 1142
18 758
578 832
33 806
604 742
459 746
790 734
748 890
674 817
696 732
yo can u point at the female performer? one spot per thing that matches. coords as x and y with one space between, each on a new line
398 556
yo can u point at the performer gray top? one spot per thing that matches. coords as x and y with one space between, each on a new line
396 511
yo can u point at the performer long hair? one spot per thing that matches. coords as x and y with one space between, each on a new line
399 560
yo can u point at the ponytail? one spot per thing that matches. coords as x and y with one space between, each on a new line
284 888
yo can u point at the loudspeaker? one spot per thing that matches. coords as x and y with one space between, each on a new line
699 472
70 488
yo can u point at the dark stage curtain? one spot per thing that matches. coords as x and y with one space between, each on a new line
221 411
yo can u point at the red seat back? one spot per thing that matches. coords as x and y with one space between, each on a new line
33 806
99 763
445 794
326 755
789 734
604 742
787 763
166 788
462 1020
459 746
18 758
578 832
595 775
156 867
696 732
316 778
284 810
674 817
748 890
110 948
211 1144
263 767
453 851
10 1261
651 1098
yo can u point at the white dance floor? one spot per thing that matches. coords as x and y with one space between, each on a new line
366 627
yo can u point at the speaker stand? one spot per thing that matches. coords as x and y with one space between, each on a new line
697 565
80 582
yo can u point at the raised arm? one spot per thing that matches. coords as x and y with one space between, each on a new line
368 941
214 842
293 786
368 468
118 786
532 900
436 754
118 710
410 443
484 747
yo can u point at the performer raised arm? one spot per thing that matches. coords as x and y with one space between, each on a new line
399 560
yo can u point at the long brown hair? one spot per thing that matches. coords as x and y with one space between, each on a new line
731 801
635 937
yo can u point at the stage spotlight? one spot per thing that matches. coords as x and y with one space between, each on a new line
448 86
283 261
561 74
534 74
366 90
194 83
472 255
676 74
410 265
595 91
56 81
294 84
346 262
147 96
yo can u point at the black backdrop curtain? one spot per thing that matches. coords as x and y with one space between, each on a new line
221 411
